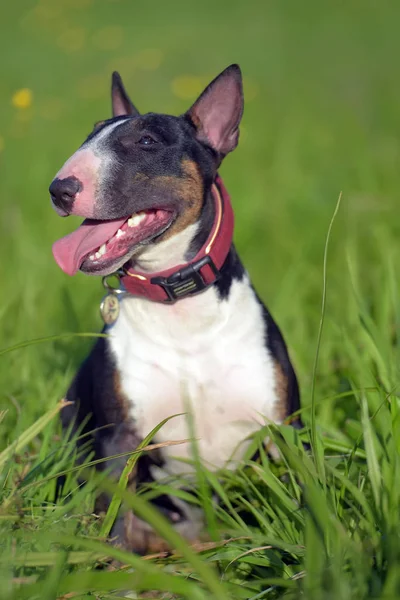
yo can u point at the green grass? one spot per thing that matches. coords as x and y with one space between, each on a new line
322 117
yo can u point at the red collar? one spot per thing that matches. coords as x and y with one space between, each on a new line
197 275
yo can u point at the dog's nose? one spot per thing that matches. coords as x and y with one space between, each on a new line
63 192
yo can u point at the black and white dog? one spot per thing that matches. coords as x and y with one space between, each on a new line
186 329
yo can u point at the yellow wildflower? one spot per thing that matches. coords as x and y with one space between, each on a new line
22 98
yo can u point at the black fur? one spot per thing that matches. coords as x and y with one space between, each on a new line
121 193
278 349
231 269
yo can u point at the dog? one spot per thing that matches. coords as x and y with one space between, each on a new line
186 331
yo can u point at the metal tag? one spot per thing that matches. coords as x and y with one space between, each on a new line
109 308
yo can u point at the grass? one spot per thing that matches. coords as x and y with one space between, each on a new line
322 116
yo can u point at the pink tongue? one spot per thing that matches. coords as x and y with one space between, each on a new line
70 251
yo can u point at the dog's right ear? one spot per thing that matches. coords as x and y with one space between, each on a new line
121 103
216 114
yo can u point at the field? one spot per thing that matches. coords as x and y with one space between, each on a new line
322 118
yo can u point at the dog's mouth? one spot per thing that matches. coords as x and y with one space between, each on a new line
100 247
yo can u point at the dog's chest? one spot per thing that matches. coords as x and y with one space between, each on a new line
205 356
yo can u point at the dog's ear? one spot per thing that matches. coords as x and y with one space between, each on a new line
216 114
121 103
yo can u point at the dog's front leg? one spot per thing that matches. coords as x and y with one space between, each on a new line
129 531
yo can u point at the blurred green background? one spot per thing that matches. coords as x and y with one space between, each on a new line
321 116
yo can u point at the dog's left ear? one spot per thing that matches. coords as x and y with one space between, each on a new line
121 103
216 114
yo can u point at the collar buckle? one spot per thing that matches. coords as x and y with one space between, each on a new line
187 281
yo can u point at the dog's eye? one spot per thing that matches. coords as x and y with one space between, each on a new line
146 140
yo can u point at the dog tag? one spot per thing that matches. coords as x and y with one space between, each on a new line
109 308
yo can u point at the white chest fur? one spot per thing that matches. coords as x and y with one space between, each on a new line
200 354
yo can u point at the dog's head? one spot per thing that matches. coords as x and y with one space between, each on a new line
140 180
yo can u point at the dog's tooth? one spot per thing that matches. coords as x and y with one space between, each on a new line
136 218
102 250
98 255
92 257
120 233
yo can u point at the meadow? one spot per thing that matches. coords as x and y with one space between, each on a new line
322 121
